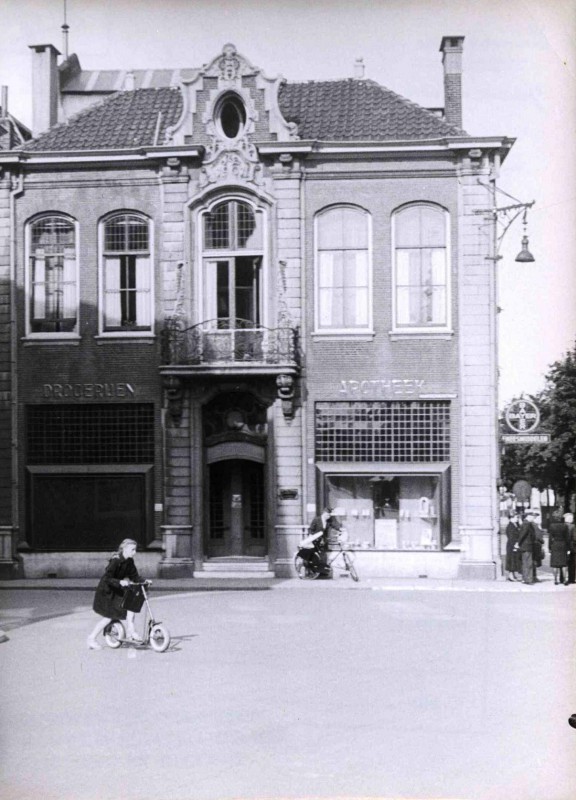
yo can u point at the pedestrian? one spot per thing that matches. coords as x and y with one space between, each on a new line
120 572
569 520
525 544
559 546
312 548
538 545
513 556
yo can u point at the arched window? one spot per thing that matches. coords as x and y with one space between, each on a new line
343 273
421 279
232 257
53 275
126 274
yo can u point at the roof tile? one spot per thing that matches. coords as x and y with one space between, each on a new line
346 110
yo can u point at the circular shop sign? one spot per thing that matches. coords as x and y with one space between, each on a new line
522 416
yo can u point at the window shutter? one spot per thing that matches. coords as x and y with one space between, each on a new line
69 288
143 311
112 309
326 289
39 284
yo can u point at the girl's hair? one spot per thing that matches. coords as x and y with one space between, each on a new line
125 543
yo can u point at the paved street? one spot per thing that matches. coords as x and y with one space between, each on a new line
300 691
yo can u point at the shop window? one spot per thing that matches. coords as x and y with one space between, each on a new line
53 276
92 512
421 271
392 511
126 275
343 271
233 256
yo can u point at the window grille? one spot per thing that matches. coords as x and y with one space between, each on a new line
383 431
231 226
126 233
95 434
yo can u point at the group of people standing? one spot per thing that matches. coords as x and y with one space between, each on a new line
525 548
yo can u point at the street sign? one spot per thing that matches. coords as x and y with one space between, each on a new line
522 416
525 438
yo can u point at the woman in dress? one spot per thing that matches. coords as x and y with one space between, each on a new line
513 557
559 545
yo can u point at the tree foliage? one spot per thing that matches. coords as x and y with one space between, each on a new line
552 464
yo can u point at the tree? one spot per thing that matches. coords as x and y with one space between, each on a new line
553 464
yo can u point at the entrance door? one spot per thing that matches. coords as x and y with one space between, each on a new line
236 502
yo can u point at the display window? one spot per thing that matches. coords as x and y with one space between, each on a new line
391 511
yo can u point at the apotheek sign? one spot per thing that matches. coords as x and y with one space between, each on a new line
381 387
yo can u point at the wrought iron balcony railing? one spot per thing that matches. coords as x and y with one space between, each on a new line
228 341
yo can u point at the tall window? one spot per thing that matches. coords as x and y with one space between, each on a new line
233 247
421 267
53 275
343 270
127 274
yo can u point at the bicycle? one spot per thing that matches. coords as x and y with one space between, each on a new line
342 560
155 633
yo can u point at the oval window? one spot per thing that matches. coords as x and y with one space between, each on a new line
232 117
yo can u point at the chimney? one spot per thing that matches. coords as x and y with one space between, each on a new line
4 102
359 68
451 48
45 87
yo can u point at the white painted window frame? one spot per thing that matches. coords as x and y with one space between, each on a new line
410 330
49 335
208 255
120 334
368 329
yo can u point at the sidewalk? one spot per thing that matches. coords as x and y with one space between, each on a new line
251 583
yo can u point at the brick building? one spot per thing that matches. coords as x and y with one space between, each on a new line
238 299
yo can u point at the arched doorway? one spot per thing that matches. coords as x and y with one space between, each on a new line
236 509
235 435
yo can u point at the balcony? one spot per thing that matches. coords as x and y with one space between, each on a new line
229 346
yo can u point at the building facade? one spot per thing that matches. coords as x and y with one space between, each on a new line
238 299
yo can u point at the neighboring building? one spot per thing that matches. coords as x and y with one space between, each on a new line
12 134
241 298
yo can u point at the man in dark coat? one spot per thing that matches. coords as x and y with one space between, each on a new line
569 520
526 541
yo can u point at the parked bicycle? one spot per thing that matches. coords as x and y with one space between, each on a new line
311 568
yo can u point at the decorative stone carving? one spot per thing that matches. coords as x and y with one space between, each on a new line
285 385
229 64
224 165
175 396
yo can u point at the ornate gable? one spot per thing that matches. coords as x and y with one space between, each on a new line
229 104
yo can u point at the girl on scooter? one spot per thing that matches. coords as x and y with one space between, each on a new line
120 572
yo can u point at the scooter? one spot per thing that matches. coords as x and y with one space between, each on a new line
156 634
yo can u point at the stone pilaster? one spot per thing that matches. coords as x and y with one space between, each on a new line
478 377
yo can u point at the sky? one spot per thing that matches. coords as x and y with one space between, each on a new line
518 81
